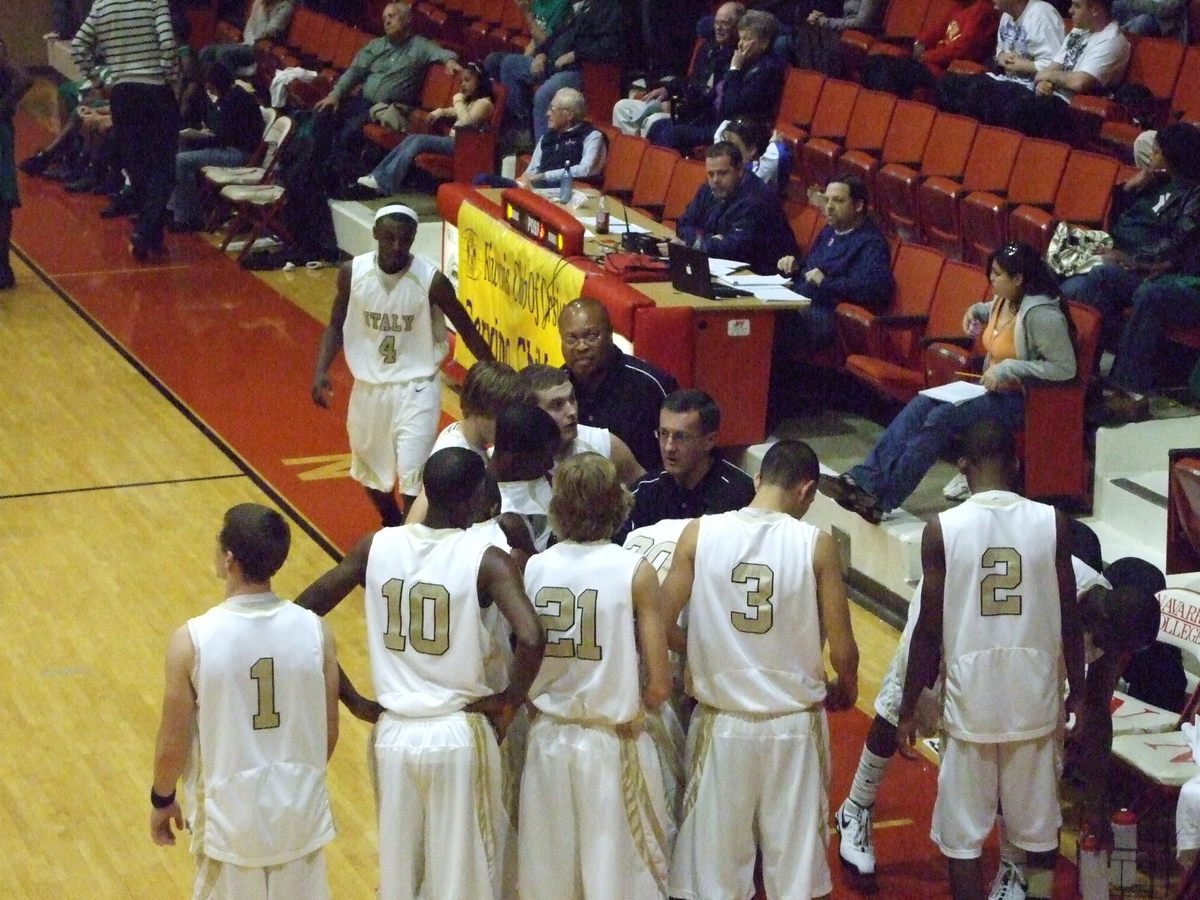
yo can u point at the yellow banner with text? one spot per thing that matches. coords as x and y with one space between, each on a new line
513 289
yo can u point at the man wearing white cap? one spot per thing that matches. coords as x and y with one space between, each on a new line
389 314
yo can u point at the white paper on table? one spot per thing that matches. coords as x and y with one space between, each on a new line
752 281
956 391
773 294
722 267
615 225
1191 734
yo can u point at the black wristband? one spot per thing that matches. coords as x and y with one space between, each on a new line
160 802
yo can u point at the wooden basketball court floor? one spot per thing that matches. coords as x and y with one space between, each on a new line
139 403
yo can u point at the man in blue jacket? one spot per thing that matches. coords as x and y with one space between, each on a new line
735 216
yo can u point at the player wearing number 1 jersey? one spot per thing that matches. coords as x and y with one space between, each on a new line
437 766
595 824
763 589
389 313
998 610
249 720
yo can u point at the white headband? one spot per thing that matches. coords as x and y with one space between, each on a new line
393 209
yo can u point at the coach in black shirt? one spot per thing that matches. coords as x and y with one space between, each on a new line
614 390
695 479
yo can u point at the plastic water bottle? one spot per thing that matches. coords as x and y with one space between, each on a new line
602 215
1093 870
565 188
1122 867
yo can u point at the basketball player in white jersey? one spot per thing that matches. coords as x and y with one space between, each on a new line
437 766
389 315
526 439
489 388
596 814
249 720
998 611
552 391
763 588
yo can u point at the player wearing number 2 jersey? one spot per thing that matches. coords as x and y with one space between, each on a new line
437 766
998 609
250 719
389 313
763 589
597 821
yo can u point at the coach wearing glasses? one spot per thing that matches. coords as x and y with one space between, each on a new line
614 390
695 479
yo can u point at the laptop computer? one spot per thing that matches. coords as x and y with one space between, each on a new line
690 274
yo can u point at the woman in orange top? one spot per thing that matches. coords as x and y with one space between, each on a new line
1027 334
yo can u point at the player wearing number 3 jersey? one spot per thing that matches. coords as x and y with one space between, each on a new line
595 812
249 720
763 590
436 761
389 313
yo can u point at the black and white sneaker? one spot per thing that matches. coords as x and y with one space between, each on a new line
857 849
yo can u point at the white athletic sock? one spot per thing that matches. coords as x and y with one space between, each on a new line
867 778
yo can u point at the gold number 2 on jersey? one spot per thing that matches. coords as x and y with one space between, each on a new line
569 608
995 597
419 597
263 672
758 598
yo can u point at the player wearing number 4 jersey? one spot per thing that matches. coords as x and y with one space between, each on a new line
437 766
763 590
595 824
249 720
998 610
389 313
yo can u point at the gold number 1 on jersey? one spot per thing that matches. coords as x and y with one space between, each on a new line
263 672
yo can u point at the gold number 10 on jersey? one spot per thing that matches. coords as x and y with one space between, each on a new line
424 599
569 608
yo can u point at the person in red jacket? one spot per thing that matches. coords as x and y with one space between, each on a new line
967 32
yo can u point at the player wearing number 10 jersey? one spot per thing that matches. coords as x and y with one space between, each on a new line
595 820
763 590
250 710
436 761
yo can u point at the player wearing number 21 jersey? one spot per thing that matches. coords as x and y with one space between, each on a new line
436 761
595 820
761 588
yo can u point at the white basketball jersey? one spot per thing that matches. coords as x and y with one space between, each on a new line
259 780
1002 626
531 501
583 594
389 334
589 439
656 544
754 633
425 632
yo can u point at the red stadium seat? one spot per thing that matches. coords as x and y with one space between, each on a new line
896 185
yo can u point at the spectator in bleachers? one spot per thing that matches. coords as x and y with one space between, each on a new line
543 17
1151 18
268 19
751 87
813 43
1027 336
1030 33
390 69
690 97
594 32
472 105
736 216
764 153
849 260
233 131
572 144
1154 266
1093 58
967 32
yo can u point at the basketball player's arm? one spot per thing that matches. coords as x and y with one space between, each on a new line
652 636
500 582
442 295
925 649
629 470
416 512
323 595
520 541
174 734
1094 746
331 339
333 678
677 586
1072 627
834 611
